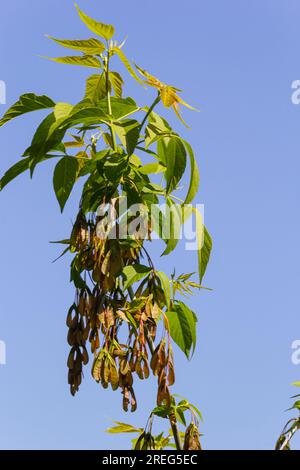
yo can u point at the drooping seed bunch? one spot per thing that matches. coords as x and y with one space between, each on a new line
103 312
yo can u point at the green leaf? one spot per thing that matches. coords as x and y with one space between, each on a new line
128 132
296 405
172 225
134 273
90 165
204 243
27 103
194 178
117 83
123 427
196 411
43 142
83 61
172 153
165 284
16 170
75 276
114 167
88 46
127 64
157 127
37 146
66 241
182 323
206 251
179 413
153 188
85 113
65 175
152 168
87 116
95 88
161 411
122 107
167 223
105 31
62 110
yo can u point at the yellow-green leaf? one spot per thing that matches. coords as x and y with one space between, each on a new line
128 132
27 103
123 427
127 64
152 168
117 83
96 87
62 110
134 273
83 61
105 31
17 169
88 46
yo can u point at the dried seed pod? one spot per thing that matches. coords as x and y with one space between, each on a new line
72 317
163 393
71 361
191 438
146 369
139 370
80 234
106 370
71 337
154 360
125 398
159 360
133 401
124 366
152 328
113 376
85 356
171 374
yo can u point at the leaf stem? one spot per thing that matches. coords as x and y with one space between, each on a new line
175 430
112 133
155 102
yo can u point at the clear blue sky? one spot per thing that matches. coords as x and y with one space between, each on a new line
236 61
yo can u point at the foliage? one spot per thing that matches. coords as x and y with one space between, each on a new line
118 148
291 427
147 440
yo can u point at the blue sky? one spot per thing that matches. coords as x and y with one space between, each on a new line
236 61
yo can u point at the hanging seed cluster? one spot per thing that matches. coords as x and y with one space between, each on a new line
191 438
102 314
162 366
